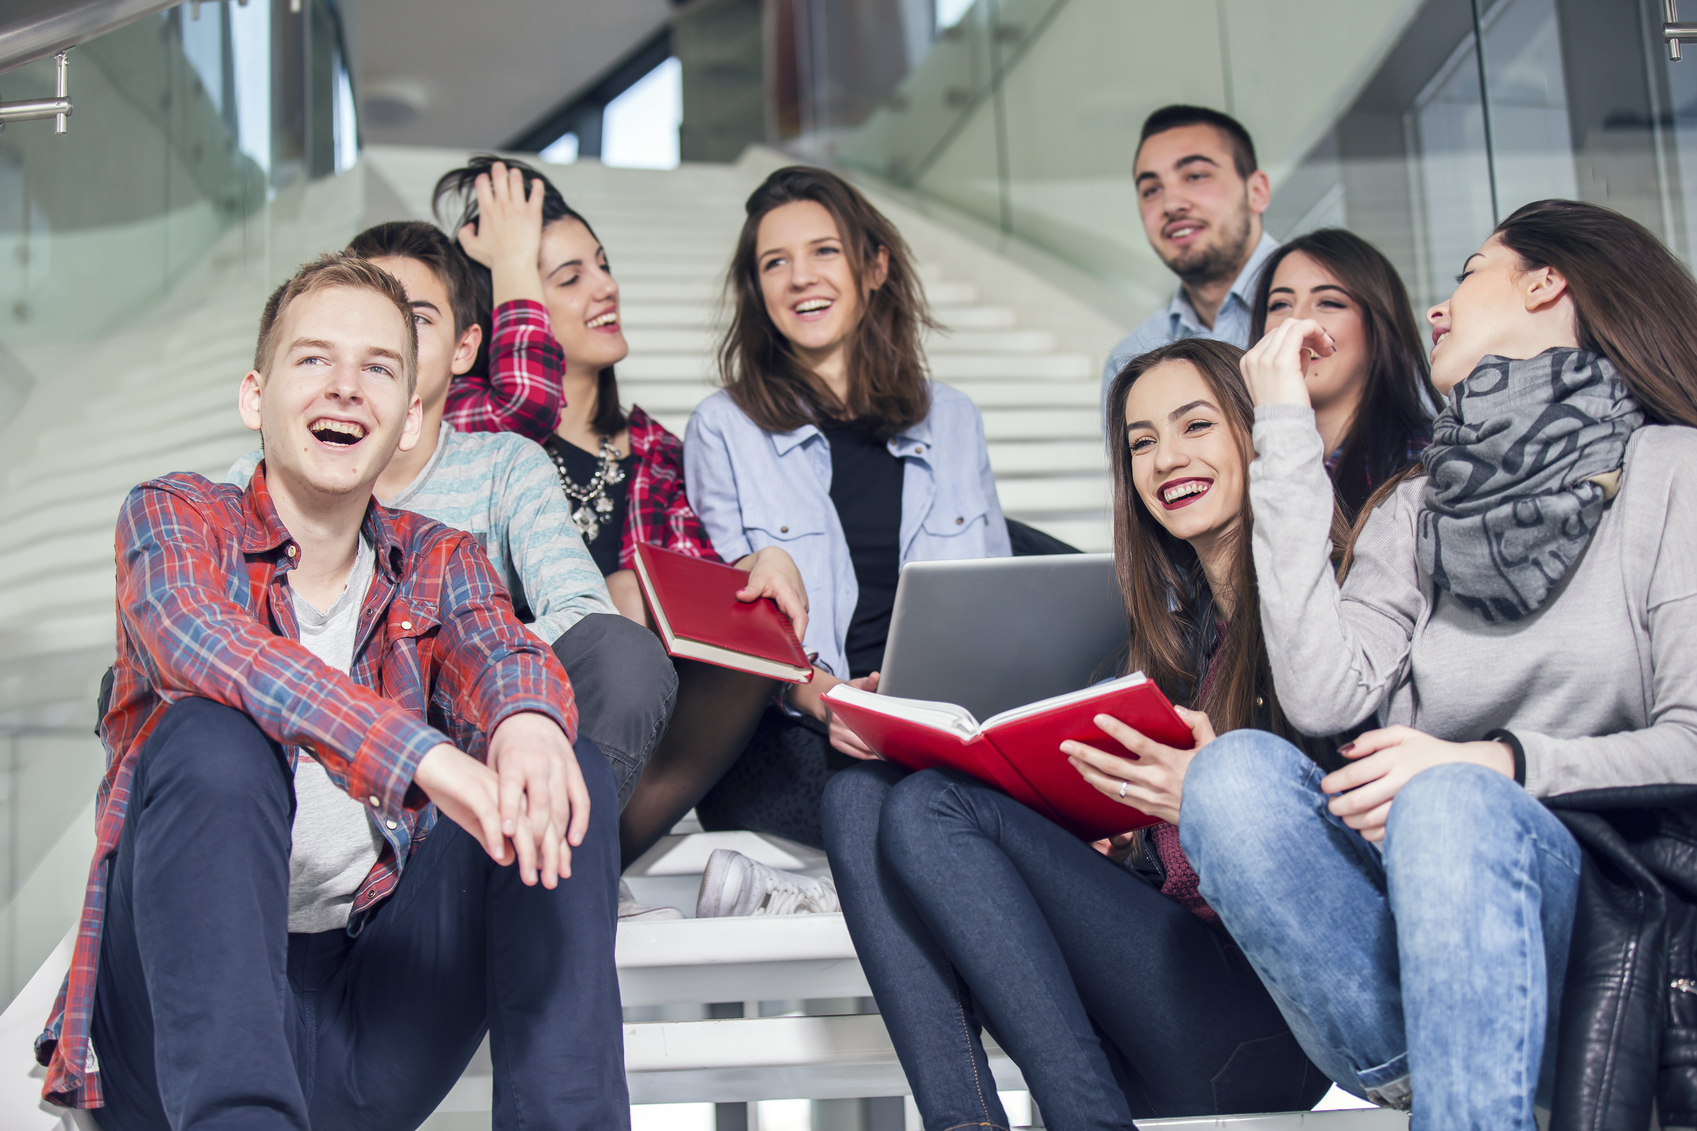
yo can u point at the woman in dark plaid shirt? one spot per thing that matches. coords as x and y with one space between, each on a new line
622 473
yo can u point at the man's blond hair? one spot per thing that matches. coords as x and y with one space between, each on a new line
336 270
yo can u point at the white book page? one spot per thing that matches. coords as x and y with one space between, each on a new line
938 716
1082 695
654 604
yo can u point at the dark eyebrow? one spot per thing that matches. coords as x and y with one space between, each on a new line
1312 290
417 302
810 243
1179 164
1470 259
1173 415
563 266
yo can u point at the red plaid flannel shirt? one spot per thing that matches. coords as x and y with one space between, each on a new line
526 397
521 392
204 610
659 512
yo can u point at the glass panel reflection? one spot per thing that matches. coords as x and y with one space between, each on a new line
135 253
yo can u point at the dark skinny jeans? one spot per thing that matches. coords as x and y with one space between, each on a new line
970 913
209 1013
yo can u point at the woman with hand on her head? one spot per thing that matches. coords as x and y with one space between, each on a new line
1099 969
1521 614
829 440
622 472
1370 394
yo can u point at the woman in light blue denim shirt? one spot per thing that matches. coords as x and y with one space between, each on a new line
753 489
825 384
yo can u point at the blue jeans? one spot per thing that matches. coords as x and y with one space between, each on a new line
209 1013
1431 970
972 913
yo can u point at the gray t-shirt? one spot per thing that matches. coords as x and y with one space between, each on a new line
335 842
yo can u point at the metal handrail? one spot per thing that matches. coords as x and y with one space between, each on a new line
41 34
58 107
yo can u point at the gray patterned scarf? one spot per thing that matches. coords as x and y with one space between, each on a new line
1523 460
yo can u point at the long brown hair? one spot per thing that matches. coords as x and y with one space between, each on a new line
887 381
1166 593
1634 303
1393 408
456 189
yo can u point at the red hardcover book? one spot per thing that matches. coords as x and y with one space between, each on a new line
694 604
1018 751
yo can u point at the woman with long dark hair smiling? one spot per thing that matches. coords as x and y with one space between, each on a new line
1370 394
620 469
1099 969
830 441
1520 610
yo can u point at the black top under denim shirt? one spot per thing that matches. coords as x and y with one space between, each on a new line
582 466
866 489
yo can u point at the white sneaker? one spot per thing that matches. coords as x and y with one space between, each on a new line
734 884
630 909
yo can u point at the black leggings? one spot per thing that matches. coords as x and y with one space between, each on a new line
776 786
717 710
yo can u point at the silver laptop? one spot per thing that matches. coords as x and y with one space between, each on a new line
995 633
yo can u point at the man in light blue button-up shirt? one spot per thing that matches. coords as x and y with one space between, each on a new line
1201 197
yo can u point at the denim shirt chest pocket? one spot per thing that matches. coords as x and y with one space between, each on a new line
780 515
954 511
958 508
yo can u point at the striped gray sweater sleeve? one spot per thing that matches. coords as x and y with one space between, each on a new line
532 523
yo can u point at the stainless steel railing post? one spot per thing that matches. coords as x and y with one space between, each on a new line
58 107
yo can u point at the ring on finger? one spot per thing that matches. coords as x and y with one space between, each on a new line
1123 786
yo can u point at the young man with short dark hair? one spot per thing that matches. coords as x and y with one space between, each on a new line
278 931
501 488
1201 196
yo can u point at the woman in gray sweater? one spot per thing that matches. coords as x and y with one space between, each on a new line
1520 620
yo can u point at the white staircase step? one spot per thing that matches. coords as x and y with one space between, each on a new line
1015 367
1047 457
737 959
1055 493
1050 394
1039 423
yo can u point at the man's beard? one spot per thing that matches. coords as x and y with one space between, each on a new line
1219 261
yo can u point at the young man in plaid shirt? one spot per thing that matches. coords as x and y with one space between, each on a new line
278 931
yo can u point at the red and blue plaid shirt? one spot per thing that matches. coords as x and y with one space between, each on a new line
204 610
525 395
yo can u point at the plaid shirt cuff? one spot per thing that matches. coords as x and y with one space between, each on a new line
380 775
565 719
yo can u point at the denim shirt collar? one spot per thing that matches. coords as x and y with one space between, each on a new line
786 442
1182 318
913 440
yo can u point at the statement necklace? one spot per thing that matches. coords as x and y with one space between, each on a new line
590 504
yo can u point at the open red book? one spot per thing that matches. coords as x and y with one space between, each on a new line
694 604
1018 751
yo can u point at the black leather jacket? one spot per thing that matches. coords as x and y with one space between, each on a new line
1628 1035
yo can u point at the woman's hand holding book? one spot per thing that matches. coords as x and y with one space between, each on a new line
1152 779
